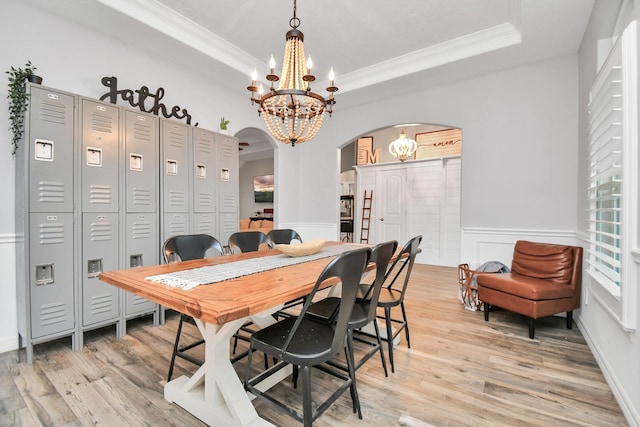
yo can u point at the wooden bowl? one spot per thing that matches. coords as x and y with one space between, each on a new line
301 249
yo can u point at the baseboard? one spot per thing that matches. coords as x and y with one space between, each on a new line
8 344
626 405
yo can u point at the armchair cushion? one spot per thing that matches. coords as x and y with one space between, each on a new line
529 287
543 261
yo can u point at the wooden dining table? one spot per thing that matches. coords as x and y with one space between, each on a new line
214 393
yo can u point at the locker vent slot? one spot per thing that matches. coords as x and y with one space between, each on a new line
205 224
141 230
136 300
230 152
204 147
50 192
176 140
229 201
53 313
101 303
177 198
51 233
100 194
177 227
206 199
141 196
101 123
229 225
141 132
101 231
53 112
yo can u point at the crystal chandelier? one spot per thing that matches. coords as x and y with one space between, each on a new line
292 112
402 147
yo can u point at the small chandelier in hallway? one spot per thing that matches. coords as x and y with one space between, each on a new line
402 147
292 112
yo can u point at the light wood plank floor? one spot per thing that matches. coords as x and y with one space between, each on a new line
460 371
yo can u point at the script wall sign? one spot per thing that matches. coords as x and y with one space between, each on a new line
145 100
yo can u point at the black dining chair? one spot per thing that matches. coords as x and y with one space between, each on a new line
393 294
364 310
185 248
249 241
305 343
283 236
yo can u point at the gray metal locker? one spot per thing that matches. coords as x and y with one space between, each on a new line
141 248
204 171
227 174
44 218
51 274
100 301
141 153
50 150
99 156
175 166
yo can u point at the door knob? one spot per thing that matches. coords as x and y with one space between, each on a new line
381 219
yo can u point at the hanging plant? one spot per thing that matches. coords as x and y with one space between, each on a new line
19 100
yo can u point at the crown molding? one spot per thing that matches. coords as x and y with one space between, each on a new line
165 20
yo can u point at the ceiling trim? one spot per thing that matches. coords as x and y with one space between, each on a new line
483 41
165 20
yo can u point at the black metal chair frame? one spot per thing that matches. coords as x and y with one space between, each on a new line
185 248
364 310
391 297
248 241
283 236
290 341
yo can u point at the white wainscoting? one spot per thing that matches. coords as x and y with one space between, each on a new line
314 230
8 306
479 245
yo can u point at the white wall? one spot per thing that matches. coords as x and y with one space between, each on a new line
617 350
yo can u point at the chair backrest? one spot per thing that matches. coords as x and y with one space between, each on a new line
348 268
380 255
404 262
249 241
283 236
186 247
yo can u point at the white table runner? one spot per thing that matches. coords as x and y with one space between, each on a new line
189 279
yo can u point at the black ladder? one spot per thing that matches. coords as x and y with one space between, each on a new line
366 217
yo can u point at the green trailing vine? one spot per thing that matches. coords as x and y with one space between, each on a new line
18 101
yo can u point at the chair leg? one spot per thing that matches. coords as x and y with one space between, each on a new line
406 324
486 311
384 363
387 319
532 327
175 350
569 319
355 400
307 410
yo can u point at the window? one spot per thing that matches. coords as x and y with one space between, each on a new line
612 256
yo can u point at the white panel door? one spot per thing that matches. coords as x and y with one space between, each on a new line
390 205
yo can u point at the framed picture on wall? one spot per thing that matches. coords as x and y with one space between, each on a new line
441 143
364 146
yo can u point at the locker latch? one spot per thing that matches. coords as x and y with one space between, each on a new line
44 274
135 261
94 267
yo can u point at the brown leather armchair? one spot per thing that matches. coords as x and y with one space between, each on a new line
545 279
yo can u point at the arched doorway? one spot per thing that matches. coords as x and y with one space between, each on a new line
417 196
256 159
